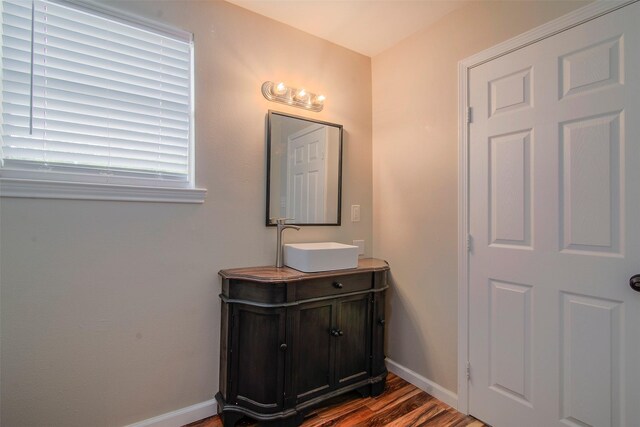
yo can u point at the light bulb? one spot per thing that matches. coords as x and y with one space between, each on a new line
302 95
320 99
280 89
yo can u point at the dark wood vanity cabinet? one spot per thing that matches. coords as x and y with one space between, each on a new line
290 340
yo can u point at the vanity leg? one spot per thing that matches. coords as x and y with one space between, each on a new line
294 421
364 391
377 388
229 419
299 418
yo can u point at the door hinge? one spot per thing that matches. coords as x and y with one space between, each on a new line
468 371
469 115
469 242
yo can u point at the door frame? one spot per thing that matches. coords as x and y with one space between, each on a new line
551 28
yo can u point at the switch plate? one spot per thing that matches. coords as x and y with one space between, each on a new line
360 245
355 213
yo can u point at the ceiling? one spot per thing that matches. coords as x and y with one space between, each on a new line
365 26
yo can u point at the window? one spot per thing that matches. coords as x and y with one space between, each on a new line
95 98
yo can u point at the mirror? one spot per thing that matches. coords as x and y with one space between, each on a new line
304 170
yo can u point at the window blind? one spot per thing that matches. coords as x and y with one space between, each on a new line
82 92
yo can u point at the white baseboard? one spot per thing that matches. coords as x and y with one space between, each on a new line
435 390
181 417
206 409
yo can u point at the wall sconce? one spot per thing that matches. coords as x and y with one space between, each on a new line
291 96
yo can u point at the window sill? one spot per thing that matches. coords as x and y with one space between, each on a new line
38 189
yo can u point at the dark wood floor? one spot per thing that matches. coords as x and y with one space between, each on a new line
401 404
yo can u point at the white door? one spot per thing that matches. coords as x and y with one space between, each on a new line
554 327
307 175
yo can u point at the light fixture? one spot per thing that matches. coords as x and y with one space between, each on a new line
279 92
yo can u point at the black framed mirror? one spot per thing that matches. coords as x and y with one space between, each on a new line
304 170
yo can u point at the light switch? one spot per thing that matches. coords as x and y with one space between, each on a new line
355 213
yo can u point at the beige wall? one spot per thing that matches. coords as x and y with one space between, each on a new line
415 151
110 310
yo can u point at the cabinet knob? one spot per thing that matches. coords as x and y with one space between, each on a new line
335 332
283 347
337 285
381 322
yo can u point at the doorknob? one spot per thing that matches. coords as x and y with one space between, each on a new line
634 282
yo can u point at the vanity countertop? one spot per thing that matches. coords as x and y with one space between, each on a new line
271 274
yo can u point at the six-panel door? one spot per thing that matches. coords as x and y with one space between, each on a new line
554 207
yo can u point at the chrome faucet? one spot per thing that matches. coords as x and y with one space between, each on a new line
280 222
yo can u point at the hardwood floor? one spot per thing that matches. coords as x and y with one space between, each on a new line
402 404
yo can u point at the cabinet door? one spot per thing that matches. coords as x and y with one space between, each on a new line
314 356
353 345
257 358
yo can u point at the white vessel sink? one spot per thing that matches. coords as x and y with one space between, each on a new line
322 256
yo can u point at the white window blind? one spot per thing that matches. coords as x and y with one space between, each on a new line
86 94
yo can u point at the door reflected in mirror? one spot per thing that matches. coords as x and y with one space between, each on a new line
304 170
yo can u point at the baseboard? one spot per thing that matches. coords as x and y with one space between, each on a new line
435 390
206 409
182 416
